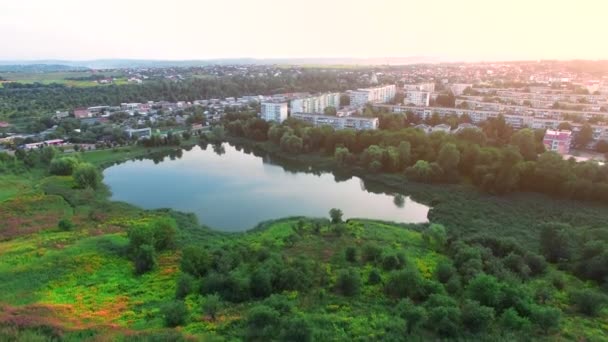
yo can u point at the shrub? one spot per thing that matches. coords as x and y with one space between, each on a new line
195 261
351 254
65 225
476 317
348 283
297 329
211 305
262 323
145 259
374 277
588 301
174 313
184 286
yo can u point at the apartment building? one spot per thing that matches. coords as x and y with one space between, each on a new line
274 111
430 87
315 104
351 122
458 88
381 94
558 141
417 98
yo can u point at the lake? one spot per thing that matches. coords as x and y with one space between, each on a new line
231 190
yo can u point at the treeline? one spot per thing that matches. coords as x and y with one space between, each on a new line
513 162
36 99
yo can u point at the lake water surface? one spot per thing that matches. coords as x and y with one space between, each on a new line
233 191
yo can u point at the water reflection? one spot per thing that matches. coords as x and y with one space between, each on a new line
233 188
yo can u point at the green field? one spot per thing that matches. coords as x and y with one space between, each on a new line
59 77
289 279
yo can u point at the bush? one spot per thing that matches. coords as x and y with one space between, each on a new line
371 253
588 301
174 313
351 254
65 225
348 283
87 176
184 286
476 317
145 259
546 318
262 323
211 305
297 329
374 277
164 231
195 261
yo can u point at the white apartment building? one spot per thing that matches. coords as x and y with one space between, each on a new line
350 122
430 87
417 98
381 94
458 88
274 111
315 104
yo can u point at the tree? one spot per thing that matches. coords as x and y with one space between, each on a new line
342 155
174 313
555 241
63 166
297 329
584 136
87 176
348 283
448 157
211 305
336 215
262 323
145 259
195 261
511 320
184 286
546 318
330 111
435 236
524 140
261 283
405 153
164 232
415 316
486 290
291 143
475 317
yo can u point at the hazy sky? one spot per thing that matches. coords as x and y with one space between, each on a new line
201 29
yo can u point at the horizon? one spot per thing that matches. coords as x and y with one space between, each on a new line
467 31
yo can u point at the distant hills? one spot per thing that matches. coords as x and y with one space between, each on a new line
38 67
59 65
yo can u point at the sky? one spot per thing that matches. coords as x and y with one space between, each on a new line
207 29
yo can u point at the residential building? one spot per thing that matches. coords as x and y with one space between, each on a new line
458 88
430 87
417 98
315 104
381 94
558 141
274 111
352 122
81 113
139 133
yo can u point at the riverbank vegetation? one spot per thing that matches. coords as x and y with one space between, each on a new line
74 265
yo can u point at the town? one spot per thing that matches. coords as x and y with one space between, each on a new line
570 106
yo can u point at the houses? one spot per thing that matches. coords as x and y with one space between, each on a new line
558 141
